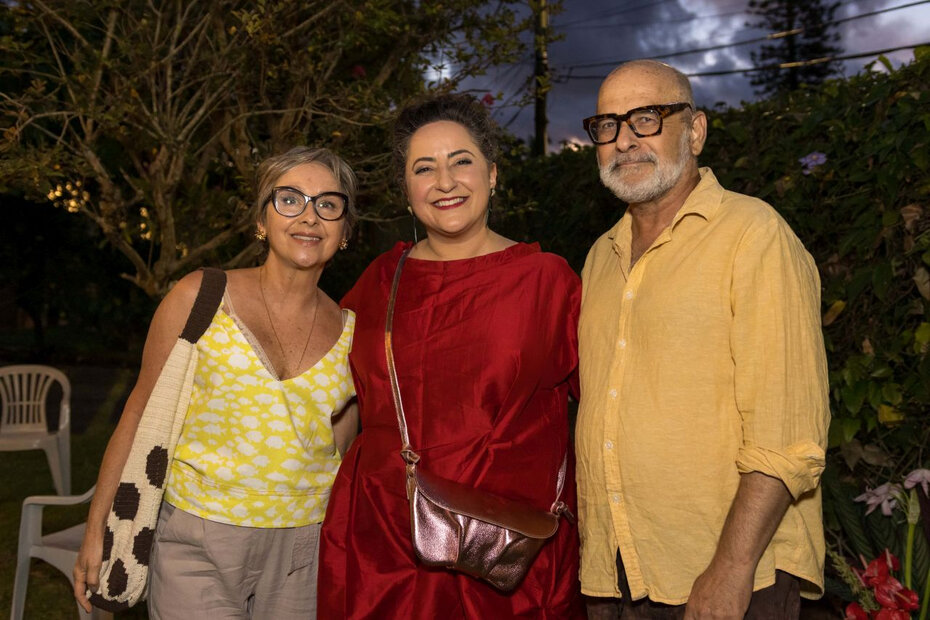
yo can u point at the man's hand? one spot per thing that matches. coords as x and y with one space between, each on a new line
724 589
720 592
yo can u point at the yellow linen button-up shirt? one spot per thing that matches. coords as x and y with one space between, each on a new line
703 361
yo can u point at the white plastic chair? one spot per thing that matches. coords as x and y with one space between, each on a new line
60 549
23 394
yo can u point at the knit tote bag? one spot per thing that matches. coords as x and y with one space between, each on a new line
130 529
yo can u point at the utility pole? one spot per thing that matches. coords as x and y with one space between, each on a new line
541 75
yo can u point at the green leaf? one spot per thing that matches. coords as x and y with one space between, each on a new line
921 157
875 395
922 334
850 427
854 396
850 516
882 279
921 557
883 531
891 392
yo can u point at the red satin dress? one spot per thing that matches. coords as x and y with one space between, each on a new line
486 350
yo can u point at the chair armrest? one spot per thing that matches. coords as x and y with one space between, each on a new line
59 500
30 523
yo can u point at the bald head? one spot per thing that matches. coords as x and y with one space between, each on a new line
644 169
655 74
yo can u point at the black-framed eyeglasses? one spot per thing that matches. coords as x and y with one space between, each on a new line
645 121
291 202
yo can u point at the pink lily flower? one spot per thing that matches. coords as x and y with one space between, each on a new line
884 496
918 476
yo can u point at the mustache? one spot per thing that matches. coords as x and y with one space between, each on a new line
619 160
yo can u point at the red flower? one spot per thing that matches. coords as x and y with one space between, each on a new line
854 611
893 562
876 572
358 71
886 592
488 99
907 599
896 600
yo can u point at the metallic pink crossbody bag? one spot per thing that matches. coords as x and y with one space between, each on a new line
456 526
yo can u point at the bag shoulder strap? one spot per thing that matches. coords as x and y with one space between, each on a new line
410 457
208 300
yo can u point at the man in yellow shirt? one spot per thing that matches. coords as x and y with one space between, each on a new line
704 396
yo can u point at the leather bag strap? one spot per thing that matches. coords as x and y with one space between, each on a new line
409 456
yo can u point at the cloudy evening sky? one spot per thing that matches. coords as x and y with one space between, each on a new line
610 31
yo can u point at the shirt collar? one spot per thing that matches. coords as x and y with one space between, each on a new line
704 201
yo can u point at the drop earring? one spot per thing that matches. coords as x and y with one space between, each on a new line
413 219
344 244
260 234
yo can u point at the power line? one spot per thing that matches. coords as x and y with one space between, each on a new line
782 65
616 11
579 23
814 61
776 35
612 13
656 22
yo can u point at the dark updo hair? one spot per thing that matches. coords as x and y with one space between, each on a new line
273 168
458 108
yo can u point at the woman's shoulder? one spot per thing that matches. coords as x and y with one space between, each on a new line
379 271
180 299
551 264
386 260
175 309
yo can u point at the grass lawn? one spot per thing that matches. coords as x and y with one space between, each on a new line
26 473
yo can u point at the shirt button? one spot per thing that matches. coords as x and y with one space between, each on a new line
615 498
613 393
629 295
609 445
622 343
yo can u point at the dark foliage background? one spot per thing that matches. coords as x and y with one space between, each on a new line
863 213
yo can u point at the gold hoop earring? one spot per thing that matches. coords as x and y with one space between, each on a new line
260 234
344 244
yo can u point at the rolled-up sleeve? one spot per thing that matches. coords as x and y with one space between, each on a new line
780 370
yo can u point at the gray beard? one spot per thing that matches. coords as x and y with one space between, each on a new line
665 177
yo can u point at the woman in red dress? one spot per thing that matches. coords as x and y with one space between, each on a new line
484 339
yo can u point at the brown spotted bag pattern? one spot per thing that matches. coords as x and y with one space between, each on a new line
130 528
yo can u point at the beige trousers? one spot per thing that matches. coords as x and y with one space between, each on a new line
205 570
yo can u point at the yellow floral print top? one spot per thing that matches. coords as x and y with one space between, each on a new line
256 451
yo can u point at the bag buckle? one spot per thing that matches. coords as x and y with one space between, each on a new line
561 509
410 457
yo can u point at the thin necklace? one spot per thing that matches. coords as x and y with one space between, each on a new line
261 287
